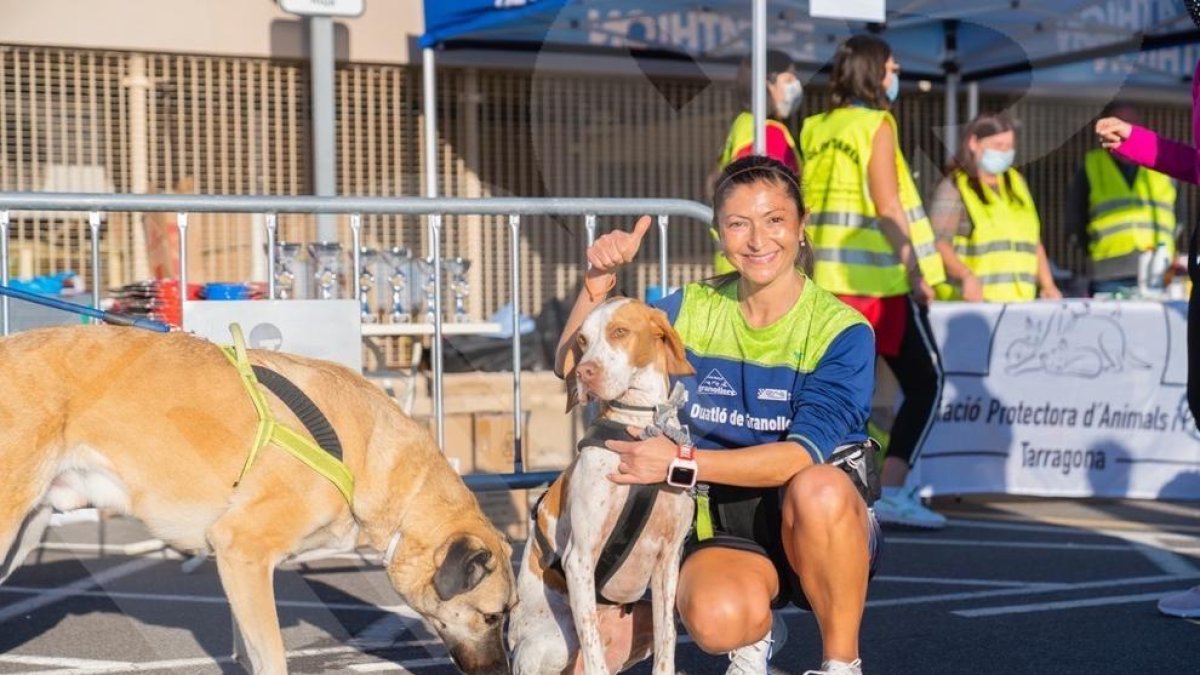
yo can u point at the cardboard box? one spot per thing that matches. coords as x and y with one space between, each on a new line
552 437
508 511
479 434
494 442
460 442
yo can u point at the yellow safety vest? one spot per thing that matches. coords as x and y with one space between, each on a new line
740 135
1002 249
852 255
1126 218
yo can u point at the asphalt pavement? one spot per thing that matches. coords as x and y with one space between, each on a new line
1010 586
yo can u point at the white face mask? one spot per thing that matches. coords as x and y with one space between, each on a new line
996 162
789 102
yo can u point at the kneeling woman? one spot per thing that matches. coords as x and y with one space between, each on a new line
986 224
784 375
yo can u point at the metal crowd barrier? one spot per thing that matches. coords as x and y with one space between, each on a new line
432 208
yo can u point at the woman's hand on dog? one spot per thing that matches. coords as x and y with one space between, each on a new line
642 462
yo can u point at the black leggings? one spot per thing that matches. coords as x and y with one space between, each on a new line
918 370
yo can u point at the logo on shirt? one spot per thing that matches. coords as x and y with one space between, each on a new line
715 384
774 395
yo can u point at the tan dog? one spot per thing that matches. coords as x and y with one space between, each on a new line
159 426
627 350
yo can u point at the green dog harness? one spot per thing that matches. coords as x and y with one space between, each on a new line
324 459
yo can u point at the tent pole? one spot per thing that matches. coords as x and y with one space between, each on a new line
429 93
434 227
953 77
324 121
758 74
951 114
972 100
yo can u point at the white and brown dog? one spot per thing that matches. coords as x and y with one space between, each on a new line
159 426
625 353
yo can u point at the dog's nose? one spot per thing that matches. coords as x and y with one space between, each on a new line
587 371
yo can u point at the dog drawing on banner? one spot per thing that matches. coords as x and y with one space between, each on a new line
159 426
625 353
1073 342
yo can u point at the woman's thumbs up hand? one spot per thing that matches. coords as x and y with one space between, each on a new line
614 249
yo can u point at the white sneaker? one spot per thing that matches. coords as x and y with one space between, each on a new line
832 667
1184 604
904 507
752 659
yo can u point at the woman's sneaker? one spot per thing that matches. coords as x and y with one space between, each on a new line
898 506
1184 604
752 659
832 667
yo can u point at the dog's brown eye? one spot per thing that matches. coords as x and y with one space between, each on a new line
619 333
493 619
581 340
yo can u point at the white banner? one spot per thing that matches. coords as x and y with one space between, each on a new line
850 10
1072 398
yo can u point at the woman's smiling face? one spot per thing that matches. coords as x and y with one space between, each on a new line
761 229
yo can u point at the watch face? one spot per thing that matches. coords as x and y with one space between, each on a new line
682 475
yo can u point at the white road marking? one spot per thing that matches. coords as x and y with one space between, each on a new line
389 628
1002 525
137 548
1046 588
59 662
98 579
68 592
89 667
1062 604
378 666
77 516
1151 545
1102 520
951 581
1055 546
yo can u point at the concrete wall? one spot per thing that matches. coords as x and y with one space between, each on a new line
384 33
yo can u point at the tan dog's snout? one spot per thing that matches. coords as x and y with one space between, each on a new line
589 373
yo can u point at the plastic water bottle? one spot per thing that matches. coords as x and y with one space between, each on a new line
1143 274
1159 264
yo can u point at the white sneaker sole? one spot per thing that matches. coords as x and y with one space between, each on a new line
919 524
1181 613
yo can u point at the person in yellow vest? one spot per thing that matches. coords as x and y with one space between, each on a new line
986 223
784 93
1122 214
874 248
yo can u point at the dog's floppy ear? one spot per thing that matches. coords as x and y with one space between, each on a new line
465 565
677 363
571 357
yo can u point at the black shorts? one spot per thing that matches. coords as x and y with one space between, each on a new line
750 519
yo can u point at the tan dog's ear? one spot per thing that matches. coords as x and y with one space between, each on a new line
570 358
465 563
677 363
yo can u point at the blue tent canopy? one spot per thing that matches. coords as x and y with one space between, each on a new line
1141 42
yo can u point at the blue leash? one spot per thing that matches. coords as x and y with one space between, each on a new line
106 317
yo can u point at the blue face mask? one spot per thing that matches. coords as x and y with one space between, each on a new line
996 162
893 88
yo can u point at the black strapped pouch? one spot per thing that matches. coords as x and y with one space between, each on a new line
859 461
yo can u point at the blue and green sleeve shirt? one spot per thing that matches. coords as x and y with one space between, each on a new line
806 378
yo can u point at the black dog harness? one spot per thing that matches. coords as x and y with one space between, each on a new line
630 523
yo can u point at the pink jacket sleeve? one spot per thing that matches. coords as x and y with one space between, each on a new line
1148 149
